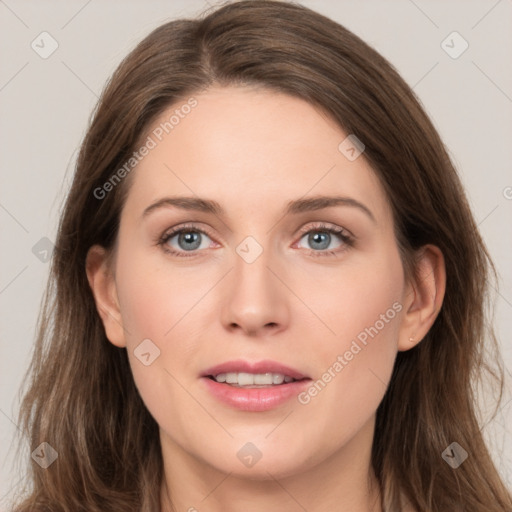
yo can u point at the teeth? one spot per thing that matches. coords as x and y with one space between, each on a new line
277 378
245 379
231 378
253 379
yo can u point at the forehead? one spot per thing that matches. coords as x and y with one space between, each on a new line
248 147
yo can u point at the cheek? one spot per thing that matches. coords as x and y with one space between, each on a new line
154 299
162 303
358 361
357 301
154 306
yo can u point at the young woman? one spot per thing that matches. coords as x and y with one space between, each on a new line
267 291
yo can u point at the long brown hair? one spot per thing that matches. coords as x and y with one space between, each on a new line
81 397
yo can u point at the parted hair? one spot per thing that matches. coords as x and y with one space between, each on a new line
79 394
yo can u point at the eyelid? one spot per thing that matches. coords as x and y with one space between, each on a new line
327 226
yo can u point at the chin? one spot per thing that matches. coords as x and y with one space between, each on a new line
252 463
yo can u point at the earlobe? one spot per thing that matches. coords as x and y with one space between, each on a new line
103 287
424 297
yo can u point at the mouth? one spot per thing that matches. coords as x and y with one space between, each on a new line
254 387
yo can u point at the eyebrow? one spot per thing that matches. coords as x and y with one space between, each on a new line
292 208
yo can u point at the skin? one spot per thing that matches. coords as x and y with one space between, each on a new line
253 151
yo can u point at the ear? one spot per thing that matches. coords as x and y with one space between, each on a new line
423 297
103 286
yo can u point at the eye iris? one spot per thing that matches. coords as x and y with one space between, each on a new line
315 238
189 237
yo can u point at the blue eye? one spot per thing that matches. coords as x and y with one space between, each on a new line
319 240
189 240
321 236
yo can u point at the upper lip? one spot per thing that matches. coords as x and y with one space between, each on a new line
266 366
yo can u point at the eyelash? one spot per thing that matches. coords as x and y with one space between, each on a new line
347 239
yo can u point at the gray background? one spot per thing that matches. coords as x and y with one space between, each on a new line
46 103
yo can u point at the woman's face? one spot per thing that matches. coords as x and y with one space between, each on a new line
259 287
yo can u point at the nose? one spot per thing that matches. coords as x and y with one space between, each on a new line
256 300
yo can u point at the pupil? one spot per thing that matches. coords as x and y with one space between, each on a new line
190 237
315 238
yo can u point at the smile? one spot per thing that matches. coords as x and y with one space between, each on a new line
253 387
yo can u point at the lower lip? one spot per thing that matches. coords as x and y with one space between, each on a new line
255 399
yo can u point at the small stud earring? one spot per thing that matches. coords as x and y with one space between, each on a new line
411 339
